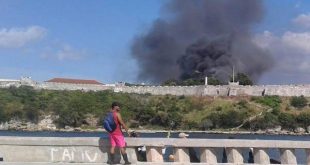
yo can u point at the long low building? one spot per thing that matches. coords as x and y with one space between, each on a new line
73 84
74 81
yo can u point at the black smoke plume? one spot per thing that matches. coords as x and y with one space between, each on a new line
197 38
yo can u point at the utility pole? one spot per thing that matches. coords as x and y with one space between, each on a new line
233 73
233 77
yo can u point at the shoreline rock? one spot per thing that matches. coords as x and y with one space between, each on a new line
174 131
46 124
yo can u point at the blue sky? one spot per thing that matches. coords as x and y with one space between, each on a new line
91 39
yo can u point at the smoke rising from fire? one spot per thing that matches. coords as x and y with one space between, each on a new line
197 38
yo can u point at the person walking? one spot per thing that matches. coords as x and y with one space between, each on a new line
117 137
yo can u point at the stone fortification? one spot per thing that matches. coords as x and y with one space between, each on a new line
225 90
162 90
202 90
288 90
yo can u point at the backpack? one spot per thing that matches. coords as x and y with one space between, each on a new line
109 123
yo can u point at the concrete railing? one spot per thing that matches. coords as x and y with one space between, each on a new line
208 152
95 150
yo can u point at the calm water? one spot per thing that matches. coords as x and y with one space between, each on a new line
273 153
156 135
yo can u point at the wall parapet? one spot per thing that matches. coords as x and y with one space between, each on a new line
220 90
95 150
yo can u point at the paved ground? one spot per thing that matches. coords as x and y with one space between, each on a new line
140 163
44 163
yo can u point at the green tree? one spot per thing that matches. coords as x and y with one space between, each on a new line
213 81
170 82
243 79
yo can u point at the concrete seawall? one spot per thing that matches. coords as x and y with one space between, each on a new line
90 150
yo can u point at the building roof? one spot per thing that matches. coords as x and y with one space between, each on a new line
73 81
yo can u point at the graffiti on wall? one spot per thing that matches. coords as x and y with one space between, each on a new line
73 155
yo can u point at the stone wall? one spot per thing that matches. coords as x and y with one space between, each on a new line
208 90
225 90
51 149
288 90
162 90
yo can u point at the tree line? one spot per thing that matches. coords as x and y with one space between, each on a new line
154 112
242 78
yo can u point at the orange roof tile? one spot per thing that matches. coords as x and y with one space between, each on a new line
73 81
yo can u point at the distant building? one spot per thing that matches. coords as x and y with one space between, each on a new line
9 80
74 81
27 81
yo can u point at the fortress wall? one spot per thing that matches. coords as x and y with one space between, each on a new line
216 90
246 90
224 90
162 90
287 90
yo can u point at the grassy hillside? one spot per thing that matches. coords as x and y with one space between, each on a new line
156 112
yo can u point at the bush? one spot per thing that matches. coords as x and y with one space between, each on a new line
287 121
299 102
273 102
206 124
190 125
3 117
31 114
269 120
242 104
303 119
243 79
228 119
213 81
170 82
144 116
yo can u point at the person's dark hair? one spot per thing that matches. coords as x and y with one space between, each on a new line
114 104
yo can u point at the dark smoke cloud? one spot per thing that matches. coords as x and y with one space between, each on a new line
196 38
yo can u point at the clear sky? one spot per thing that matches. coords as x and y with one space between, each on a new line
90 39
